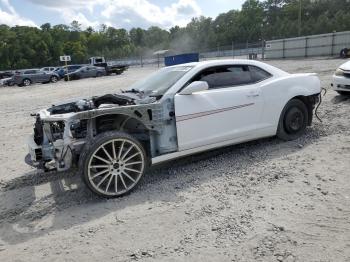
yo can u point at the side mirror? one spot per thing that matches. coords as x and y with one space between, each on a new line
195 86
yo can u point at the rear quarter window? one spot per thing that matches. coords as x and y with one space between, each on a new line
258 74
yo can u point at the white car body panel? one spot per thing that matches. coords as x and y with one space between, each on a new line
223 116
187 152
217 115
342 83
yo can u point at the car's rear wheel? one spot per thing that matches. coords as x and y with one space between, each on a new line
53 79
26 82
113 164
293 120
98 74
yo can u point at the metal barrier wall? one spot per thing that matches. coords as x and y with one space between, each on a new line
307 46
241 50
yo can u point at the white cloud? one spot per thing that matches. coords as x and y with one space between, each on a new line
144 14
9 16
70 15
121 13
66 3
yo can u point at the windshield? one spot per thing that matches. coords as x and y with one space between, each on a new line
159 82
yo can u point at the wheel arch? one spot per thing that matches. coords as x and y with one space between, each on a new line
127 124
309 101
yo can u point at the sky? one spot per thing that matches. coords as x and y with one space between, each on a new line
117 13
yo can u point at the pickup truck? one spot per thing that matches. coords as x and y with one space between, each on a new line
110 67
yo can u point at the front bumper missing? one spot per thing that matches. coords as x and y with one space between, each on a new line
53 156
35 153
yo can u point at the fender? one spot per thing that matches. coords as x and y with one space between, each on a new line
279 91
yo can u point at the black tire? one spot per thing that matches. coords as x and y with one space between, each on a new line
26 82
53 79
344 53
343 93
293 120
98 74
92 168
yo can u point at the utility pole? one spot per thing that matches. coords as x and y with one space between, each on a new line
233 51
299 19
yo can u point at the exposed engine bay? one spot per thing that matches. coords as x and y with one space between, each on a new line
61 132
93 103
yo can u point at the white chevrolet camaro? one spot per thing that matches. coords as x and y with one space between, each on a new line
341 79
175 112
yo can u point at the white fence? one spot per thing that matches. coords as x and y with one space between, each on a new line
307 46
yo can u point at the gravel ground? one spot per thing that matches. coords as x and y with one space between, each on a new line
266 200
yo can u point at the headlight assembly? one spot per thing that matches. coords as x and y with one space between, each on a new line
339 72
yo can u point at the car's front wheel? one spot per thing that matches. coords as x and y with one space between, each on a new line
113 164
293 120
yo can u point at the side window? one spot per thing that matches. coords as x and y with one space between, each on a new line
28 72
258 74
225 76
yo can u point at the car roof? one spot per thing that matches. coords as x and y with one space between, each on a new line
221 62
23 70
216 62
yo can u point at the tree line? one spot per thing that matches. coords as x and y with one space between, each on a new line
27 47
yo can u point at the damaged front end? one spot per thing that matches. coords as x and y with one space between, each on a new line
55 142
61 132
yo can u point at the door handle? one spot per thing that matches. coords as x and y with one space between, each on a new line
253 95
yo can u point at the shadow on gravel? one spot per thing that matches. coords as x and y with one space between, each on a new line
340 99
27 203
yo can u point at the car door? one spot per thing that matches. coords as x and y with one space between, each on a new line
37 76
87 72
92 71
230 109
32 75
44 76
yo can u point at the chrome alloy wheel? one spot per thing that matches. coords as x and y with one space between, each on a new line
26 82
116 166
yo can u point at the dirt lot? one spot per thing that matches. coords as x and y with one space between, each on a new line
261 201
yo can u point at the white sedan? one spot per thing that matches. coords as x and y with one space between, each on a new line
341 79
177 111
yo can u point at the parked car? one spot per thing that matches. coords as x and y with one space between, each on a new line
179 110
345 53
30 76
84 72
62 71
6 81
341 79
